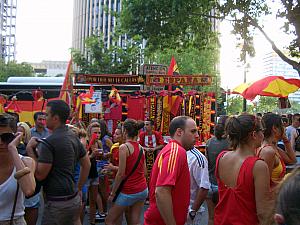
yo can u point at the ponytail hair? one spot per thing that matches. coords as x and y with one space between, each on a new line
132 127
237 129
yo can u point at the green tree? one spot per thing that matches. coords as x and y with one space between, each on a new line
112 60
14 69
234 105
266 104
169 23
246 15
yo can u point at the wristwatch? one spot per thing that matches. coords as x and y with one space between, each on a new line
192 214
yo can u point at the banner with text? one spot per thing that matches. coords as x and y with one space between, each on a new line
187 80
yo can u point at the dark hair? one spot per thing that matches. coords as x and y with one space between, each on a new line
132 127
59 108
104 129
268 121
220 127
288 198
237 129
177 122
151 121
8 120
285 120
295 117
37 114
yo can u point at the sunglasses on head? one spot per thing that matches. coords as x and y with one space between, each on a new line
7 137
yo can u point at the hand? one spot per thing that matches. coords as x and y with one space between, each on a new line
110 166
33 143
16 141
110 198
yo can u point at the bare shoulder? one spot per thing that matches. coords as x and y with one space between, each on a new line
268 151
260 167
29 162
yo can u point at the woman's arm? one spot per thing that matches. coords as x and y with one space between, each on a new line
121 170
27 181
262 189
288 155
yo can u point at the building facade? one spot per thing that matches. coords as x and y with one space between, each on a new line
8 12
95 17
50 68
273 65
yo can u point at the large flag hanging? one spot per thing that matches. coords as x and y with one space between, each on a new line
67 87
173 68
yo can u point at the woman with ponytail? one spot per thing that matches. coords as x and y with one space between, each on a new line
133 191
243 179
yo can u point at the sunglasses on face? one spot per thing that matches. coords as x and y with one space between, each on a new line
7 137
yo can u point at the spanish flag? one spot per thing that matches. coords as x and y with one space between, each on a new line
173 68
67 87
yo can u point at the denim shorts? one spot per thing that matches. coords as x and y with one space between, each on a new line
130 199
32 202
212 189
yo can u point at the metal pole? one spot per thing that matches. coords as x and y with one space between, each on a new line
245 80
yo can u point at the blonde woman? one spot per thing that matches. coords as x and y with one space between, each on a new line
25 129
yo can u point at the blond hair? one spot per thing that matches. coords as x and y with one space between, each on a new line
27 133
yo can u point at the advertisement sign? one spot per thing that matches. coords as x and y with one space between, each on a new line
108 79
184 80
154 69
95 107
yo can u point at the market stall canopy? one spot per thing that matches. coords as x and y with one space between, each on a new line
273 86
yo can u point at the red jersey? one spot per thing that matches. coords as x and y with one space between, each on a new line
151 141
170 169
137 181
237 205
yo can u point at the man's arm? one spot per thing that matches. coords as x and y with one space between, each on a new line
42 168
164 204
201 195
85 166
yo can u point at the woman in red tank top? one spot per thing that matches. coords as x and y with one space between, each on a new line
134 191
243 178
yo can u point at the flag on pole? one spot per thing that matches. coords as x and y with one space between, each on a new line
67 87
173 68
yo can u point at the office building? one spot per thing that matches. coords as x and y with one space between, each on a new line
95 17
273 65
8 11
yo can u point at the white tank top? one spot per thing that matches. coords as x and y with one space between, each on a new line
7 197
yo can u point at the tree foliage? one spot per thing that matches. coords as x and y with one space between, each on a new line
245 16
14 69
169 23
103 60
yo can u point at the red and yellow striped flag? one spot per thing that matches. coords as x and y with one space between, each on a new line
67 87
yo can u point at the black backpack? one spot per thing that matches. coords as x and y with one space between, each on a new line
297 141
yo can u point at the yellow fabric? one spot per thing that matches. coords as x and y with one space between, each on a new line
241 88
276 172
281 87
115 145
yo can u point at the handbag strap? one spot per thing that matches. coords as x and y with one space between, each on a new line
14 207
135 165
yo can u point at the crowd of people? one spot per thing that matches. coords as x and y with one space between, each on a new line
240 179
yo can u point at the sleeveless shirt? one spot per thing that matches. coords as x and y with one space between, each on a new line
7 195
237 205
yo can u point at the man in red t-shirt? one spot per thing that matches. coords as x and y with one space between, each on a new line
152 141
170 177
